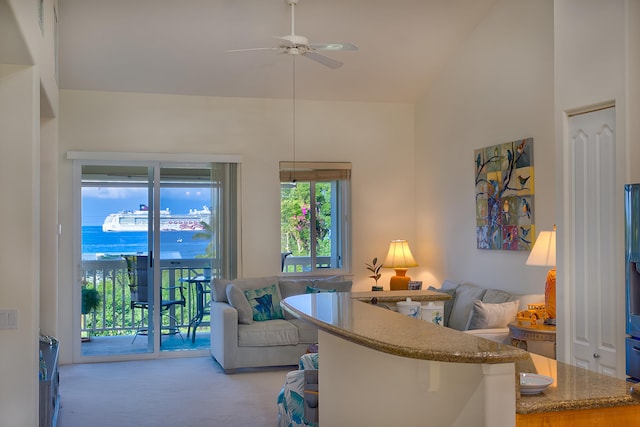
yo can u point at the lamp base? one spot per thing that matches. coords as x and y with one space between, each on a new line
550 294
400 282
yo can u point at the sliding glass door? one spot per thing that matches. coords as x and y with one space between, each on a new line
151 239
186 253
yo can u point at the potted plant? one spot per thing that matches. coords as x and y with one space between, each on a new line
374 268
90 301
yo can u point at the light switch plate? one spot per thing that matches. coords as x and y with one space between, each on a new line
8 319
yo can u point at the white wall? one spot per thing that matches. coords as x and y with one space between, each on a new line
377 138
19 259
40 45
498 87
49 161
27 91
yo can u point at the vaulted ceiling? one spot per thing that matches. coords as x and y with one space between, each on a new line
178 46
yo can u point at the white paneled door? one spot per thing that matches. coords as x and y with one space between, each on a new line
597 291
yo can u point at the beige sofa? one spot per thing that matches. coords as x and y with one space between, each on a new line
250 329
483 312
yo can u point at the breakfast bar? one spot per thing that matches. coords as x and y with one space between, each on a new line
382 368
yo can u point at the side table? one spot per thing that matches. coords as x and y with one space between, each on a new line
539 339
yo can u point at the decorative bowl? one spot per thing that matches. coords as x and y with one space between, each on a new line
534 383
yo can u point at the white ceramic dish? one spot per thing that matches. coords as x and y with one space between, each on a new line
534 383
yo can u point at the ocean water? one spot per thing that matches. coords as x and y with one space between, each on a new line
173 244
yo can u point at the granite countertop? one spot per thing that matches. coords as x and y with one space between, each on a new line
347 316
387 331
395 296
573 388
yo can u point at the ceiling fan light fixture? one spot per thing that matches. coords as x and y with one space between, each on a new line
295 39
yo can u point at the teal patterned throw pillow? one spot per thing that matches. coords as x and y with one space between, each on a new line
312 290
265 303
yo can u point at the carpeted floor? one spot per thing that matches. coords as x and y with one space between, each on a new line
186 392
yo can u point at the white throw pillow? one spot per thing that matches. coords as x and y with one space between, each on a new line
488 316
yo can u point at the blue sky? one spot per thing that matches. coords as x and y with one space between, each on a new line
98 202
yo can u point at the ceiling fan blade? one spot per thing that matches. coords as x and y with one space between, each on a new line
324 60
334 46
251 48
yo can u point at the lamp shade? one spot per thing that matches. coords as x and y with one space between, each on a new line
399 255
544 253
544 250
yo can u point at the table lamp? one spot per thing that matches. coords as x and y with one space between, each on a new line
544 253
399 258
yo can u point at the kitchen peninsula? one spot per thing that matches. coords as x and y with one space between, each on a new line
381 368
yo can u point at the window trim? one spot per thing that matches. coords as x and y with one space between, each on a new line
323 172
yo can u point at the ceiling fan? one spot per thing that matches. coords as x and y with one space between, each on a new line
294 44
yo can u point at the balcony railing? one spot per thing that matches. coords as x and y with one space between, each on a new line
115 316
301 264
110 278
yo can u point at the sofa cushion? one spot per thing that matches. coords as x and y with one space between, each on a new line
500 335
219 289
466 295
294 287
307 333
448 284
219 286
489 316
265 303
495 296
267 333
299 286
239 301
332 284
448 305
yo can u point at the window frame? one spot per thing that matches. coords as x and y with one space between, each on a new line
339 175
230 245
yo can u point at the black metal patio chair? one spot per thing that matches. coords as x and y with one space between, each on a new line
137 267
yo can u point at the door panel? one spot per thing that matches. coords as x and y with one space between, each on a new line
186 248
115 229
593 242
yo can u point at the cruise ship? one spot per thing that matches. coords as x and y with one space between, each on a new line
137 220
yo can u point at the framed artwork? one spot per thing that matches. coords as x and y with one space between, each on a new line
505 196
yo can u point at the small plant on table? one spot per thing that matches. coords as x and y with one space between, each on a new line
374 268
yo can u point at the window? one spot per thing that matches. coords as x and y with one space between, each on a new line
314 216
